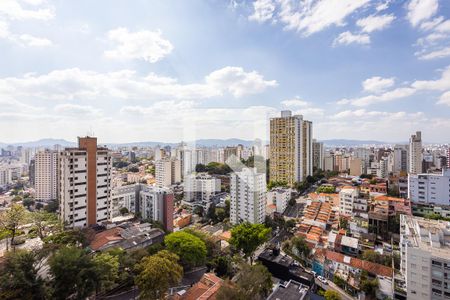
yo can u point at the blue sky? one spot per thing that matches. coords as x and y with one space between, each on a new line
146 70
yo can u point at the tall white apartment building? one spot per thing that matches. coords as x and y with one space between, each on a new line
123 196
318 155
448 158
5 176
167 172
291 148
46 175
430 188
248 196
425 257
415 153
84 183
401 159
199 188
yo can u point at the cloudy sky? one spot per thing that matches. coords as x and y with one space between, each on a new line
148 70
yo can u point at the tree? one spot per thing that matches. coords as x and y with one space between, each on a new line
19 277
123 211
157 273
274 184
191 249
222 266
343 223
254 282
27 202
52 206
327 189
74 273
45 222
369 286
107 267
11 219
332 295
301 246
292 202
74 237
247 237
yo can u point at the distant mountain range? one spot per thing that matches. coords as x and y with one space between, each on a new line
201 142
343 142
49 143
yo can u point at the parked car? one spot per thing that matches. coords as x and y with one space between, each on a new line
321 279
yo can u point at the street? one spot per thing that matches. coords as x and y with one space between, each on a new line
334 287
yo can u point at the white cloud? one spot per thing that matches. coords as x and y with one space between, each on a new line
395 94
374 23
294 103
14 11
263 11
75 110
147 45
428 25
308 17
440 84
383 5
238 82
445 98
441 53
4 30
347 38
421 10
126 84
33 41
377 84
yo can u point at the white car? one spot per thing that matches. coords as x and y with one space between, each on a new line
321 279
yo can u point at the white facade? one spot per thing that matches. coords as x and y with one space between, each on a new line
430 188
280 197
425 257
151 202
247 192
167 172
74 186
347 197
123 196
199 188
415 153
46 175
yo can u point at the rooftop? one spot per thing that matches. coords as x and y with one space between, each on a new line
292 290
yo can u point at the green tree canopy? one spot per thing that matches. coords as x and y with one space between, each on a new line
19 276
247 237
190 248
332 295
157 273
45 223
11 219
74 273
107 266
254 283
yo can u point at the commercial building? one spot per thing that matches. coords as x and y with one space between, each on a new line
425 257
46 175
291 158
247 191
430 188
167 172
415 153
84 183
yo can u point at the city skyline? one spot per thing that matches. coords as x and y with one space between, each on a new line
137 72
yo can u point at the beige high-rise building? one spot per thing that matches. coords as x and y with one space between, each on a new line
415 153
85 183
167 172
46 175
291 154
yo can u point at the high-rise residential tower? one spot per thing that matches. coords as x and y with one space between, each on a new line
85 183
46 175
415 153
248 196
318 155
400 163
291 157
167 172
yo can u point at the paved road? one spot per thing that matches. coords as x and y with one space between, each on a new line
331 286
